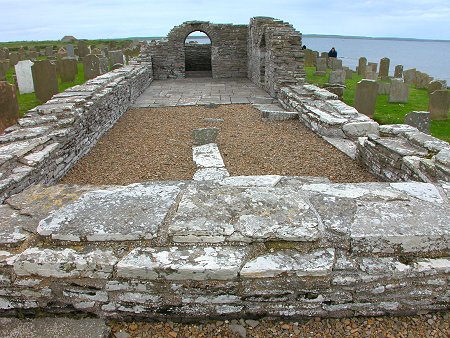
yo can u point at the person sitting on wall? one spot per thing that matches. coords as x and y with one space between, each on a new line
332 53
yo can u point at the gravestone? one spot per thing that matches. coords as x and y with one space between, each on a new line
115 57
399 91
104 65
310 57
439 105
49 51
321 67
45 80
335 88
384 68
436 85
335 63
337 76
384 88
13 58
91 65
105 51
67 68
348 73
203 136
373 66
22 53
70 51
419 120
4 67
422 80
9 106
83 49
2 54
370 75
366 97
24 76
398 72
409 76
33 55
62 53
6 52
362 65
324 55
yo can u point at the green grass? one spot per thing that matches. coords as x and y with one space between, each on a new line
29 101
16 45
385 112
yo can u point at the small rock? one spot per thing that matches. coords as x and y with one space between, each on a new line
286 327
133 326
252 323
121 334
173 334
239 329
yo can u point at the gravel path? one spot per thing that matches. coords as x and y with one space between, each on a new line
431 325
156 144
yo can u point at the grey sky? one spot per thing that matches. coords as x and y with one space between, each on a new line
90 19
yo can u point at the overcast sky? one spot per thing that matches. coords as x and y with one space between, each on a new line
92 19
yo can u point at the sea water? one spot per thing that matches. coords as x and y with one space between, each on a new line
428 56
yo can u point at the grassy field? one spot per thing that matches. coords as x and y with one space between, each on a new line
385 112
15 46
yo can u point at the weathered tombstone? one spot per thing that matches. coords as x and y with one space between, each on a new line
370 75
324 55
24 76
70 50
4 67
33 55
49 51
2 54
335 88
348 73
105 51
420 120
91 65
22 53
115 56
83 49
398 72
45 80
384 68
409 76
310 57
436 85
13 58
362 65
6 52
104 65
373 65
399 91
366 97
321 67
67 69
422 80
337 76
203 136
9 106
439 105
62 53
335 63
384 88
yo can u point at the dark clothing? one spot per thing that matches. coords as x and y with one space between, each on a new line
332 53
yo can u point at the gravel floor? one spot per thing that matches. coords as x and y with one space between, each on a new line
431 325
156 144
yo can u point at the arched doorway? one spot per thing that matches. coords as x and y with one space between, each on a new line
197 53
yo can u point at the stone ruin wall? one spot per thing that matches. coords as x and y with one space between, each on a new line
198 57
275 55
51 138
228 50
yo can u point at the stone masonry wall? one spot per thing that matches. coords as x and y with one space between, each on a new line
269 245
198 57
275 57
228 50
50 138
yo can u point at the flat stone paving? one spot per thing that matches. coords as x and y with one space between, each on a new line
199 91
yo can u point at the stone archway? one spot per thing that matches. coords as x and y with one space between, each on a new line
197 54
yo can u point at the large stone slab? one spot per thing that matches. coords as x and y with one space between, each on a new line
9 106
116 214
12 226
24 76
214 214
207 156
398 92
366 97
439 104
290 262
44 79
183 263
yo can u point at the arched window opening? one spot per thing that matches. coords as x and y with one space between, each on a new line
197 51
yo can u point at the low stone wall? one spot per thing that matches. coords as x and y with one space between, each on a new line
390 152
268 245
50 138
198 57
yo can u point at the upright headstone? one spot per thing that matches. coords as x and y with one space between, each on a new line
337 76
310 57
33 55
62 53
13 58
45 80
70 50
398 92
422 80
2 54
91 65
6 52
436 85
22 53
384 88
439 104
398 72
9 106
103 64
366 97
321 67
105 51
362 65
373 66
370 75
115 57
4 67
49 51
83 49
324 55
409 76
24 76
335 63
67 69
419 120
348 73
384 68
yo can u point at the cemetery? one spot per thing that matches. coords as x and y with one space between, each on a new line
356 225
